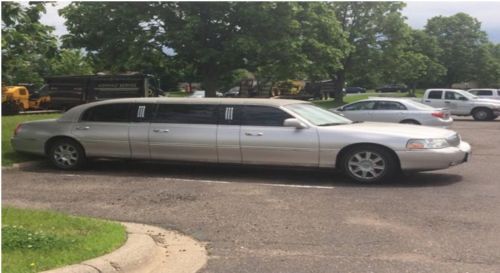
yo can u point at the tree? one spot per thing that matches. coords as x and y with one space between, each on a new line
487 67
371 28
70 62
27 45
460 36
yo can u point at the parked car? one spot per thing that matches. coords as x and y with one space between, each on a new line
486 93
202 94
392 88
233 92
462 103
354 89
397 111
241 131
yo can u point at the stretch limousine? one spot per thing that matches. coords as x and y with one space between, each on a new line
241 131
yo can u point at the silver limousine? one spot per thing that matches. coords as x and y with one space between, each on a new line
238 131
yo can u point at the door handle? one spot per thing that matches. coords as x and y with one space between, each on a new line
446 102
254 134
427 101
82 127
160 130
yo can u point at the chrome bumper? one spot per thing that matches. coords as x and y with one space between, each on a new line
434 159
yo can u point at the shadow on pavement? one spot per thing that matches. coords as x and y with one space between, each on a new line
240 174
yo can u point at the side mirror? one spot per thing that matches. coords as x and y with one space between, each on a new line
340 109
293 122
462 98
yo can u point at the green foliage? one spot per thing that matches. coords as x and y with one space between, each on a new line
460 37
27 45
34 241
70 62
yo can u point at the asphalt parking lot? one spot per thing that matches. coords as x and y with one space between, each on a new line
290 220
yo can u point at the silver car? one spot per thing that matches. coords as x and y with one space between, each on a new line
241 131
396 110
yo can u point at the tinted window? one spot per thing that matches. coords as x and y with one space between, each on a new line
264 116
108 113
22 92
389 105
484 93
186 113
365 105
435 94
229 114
142 112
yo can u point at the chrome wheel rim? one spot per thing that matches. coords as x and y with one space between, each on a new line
481 114
366 165
66 155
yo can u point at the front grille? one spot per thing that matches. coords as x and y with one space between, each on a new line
454 140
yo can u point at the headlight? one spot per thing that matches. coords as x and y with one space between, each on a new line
429 143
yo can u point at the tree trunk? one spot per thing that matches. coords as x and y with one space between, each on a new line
339 84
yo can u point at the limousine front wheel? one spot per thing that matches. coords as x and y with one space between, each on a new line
67 154
369 164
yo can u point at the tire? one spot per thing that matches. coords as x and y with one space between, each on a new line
482 114
67 154
410 121
369 164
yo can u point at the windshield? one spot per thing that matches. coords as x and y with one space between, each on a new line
419 105
316 115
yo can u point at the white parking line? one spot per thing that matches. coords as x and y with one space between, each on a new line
260 184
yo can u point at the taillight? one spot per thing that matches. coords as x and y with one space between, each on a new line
18 128
438 114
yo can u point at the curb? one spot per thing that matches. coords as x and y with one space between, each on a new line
148 249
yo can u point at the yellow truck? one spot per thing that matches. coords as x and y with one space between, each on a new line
18 98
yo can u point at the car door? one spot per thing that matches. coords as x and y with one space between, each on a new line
228 133
360 111
185 132
264 139
103 130
457 103
435 99
140 121
389 111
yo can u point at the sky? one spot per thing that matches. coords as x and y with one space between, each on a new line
417 13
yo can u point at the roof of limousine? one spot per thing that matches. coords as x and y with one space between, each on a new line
74 113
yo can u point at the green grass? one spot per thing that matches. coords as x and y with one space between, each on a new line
327 104
9 123
33 240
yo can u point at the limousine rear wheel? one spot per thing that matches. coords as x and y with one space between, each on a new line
369 164
67 154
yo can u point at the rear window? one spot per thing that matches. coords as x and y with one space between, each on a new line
435 95
107 113
186 113
484 93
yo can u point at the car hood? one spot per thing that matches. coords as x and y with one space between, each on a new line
393 129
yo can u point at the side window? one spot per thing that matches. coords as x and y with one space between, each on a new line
264 116
485 93
389 105
230 114
142 112
498 93
107 113
364 105
435 95
22 92
452 96
186 113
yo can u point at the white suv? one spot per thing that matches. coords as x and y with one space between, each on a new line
486 93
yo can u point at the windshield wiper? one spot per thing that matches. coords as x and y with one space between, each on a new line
331 124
